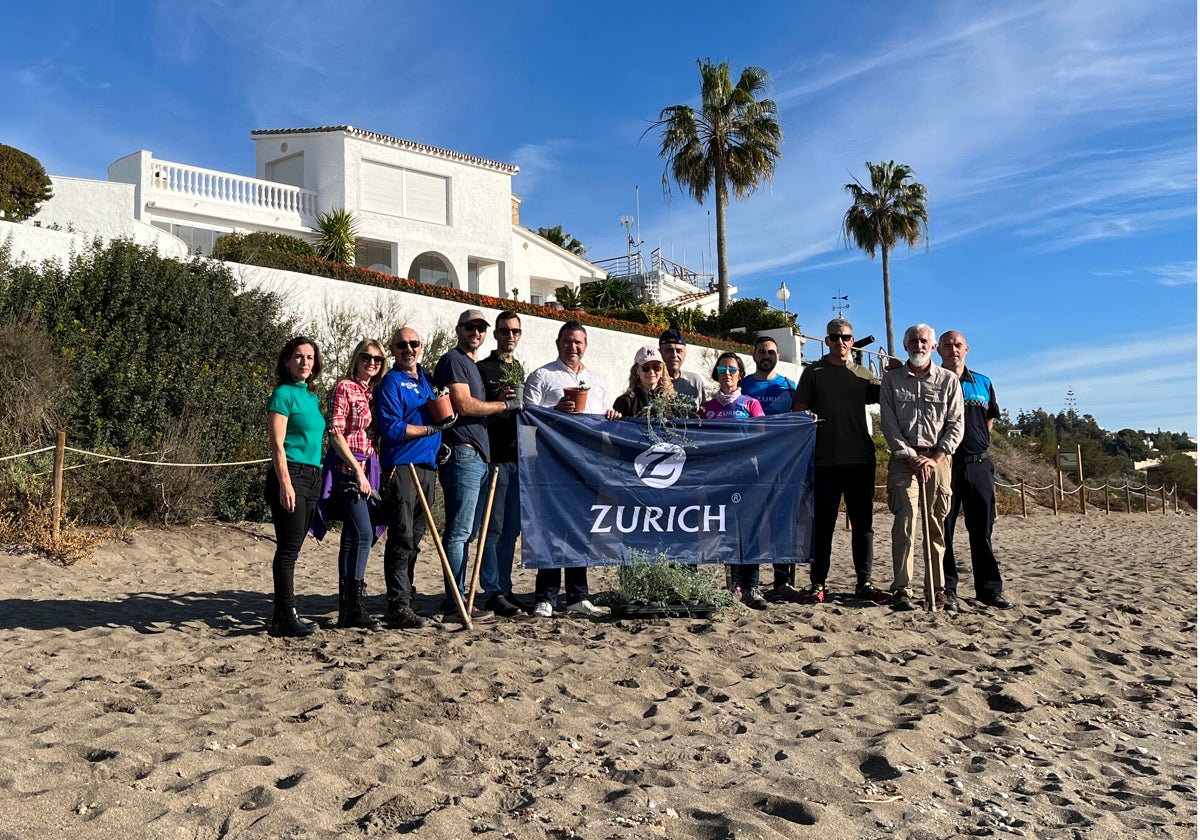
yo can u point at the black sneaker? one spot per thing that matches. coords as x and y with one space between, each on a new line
902 601
502 607
815 594
782 593
950 605
870 592
403 618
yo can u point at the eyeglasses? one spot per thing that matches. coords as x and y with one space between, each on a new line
507 331
475 328
656 368
723 369
411 345
841 337
372 360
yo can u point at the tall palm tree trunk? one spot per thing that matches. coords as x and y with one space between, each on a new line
722 258
887 304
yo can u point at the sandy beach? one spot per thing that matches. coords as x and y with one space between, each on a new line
141 697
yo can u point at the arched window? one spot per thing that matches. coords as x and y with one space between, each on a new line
431 268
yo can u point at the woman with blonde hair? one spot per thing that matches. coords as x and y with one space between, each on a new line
648 383
352 477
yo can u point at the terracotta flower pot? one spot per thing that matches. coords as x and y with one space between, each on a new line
577 396
439 408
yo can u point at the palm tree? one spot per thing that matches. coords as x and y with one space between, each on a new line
339 235
893 210
732 142
562 239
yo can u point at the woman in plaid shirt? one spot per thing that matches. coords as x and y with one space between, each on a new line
354 467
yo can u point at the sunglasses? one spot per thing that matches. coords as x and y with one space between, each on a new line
411 345
653 367
507 331
370 359
475 328
730 369
840 337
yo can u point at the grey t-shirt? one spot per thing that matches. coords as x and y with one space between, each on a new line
690 384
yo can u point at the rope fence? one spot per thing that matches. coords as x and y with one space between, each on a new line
1057 492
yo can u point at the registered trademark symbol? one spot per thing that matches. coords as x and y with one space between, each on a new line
735 498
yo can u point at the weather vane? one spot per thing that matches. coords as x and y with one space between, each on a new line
840 308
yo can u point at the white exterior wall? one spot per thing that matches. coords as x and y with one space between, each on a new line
540 267
480 205
609 352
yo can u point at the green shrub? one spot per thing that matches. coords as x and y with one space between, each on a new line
24 184
169 358
244 247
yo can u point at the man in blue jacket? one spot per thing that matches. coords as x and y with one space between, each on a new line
407 436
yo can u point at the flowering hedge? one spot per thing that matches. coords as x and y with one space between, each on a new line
367 277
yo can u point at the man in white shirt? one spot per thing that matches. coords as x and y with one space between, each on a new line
546 387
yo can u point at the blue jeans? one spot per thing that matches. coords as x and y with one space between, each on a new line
358 533
500 544
461 478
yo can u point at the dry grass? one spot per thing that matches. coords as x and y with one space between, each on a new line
33 529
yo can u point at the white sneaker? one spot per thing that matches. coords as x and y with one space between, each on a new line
585 607
543 610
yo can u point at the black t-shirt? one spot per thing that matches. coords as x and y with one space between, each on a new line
502 428
457 367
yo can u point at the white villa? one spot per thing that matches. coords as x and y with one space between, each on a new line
426 213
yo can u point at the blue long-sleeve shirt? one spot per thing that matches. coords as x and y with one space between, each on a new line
400 400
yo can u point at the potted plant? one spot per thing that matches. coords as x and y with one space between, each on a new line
577 395
652 586
439 407
512 375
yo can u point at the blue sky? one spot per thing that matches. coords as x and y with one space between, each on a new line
1057 141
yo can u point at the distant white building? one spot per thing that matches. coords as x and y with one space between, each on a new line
426 213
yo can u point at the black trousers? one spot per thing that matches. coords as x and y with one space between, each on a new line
973 490
856 484
406 525
291 526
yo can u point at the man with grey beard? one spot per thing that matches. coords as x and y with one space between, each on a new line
921 409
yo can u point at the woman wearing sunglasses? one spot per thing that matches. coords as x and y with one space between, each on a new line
648 383
730 403
352 468
295 427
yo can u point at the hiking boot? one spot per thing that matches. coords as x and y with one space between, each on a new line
403 618
754 599
869 592
815 594
951 603
902 601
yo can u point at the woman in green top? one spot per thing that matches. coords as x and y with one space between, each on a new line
295 427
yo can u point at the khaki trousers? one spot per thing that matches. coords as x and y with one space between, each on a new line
904 501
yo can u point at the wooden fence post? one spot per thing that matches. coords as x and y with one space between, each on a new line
1083 499
1128 500
1107 498
60 451
1024 509
1054 497
1162 496
1175 493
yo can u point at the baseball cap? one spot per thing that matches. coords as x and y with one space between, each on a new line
647 354
473 315
671 336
